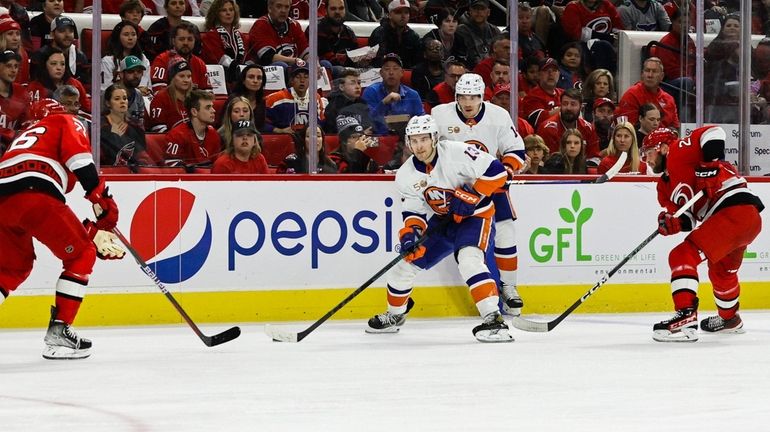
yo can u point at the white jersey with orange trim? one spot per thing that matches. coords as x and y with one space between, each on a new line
492 131
427 189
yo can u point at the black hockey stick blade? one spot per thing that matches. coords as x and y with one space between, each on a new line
543 327
612 172
210 341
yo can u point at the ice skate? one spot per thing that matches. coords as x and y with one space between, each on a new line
716 324
682 327
493 329
388 322
62 343
512 302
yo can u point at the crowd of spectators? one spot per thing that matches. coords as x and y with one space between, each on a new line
156 86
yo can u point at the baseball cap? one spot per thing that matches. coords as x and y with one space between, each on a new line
8 23
392 57
501 88
484 3
242 127
8 55
297 68
61 22
131 62
603 101
398 4
177 65
548 62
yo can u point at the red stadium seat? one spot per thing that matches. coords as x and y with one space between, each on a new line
114 170
276 147
161 170
331 142
362 41
406 79
85 41
155 146
220 103
384 152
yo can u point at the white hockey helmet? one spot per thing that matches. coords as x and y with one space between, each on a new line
424 124
470 84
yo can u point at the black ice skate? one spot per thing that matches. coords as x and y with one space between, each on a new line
493 329
682 327
512 302
717 324
62 343
388 322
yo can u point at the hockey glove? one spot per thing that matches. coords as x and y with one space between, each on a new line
106 248
105 209
711 176
670 225
409 236
464 203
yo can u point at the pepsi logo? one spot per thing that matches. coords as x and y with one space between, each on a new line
172 233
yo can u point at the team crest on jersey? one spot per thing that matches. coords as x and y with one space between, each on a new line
478 145
600 24
551 124
438 199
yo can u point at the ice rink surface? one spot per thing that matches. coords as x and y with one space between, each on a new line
591 373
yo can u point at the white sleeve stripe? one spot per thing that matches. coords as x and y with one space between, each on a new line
79 161
725 304
70 288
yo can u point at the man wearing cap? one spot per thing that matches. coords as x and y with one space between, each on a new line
444 92
473 39
14 100
394 35
182 45
244 155
131 73
604 112
568 117
194 142
543 101
276 38
63 34
390 97
288 110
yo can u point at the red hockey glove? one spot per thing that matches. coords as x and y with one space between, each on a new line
105 209
409 236
106 248
464 203
710 176
670 225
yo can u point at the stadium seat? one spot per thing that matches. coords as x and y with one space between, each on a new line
276 147
161 170
114 170
362 41
384 152
406 79
331 142
220 103
85 41
154 144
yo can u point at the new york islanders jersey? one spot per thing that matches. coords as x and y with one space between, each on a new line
44 156
427 189
491 131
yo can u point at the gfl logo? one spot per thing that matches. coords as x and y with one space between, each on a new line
541 244
158 225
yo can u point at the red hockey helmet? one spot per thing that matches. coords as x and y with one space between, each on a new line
45 107
657 137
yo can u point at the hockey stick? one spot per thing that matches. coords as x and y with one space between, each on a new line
614 170
279 335
542 327
210 341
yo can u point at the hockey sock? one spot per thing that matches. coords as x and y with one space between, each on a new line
480 282
70 290
684 260
506 255
400 279
724 278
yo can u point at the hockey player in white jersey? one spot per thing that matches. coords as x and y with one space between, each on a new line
445 179
488 127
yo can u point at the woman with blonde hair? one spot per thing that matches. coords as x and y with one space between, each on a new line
223 42
623 141
573 148
10 39
238 108
598 84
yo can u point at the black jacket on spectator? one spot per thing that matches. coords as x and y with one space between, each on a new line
252 8
333 46
363 10
353 162
472 42
406 45
423 81
121 150
339 104
155 39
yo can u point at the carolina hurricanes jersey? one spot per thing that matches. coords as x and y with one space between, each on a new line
300 9
44 156
265 41
13 110
165 113
159 69
491 130
603 19
183 146
427 189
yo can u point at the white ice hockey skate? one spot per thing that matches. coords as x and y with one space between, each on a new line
682 327
493 329
512 302
62 343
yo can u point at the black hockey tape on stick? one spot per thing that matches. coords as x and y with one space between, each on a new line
614 170
542 327
217 339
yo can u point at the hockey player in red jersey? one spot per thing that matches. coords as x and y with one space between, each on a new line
38 169
728 216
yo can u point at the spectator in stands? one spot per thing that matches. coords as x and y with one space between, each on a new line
475 37
446 23
159 33
596 21
298 162
335 39
623 141
570 66
122 143
40 25
288 110
123 42
500 74
349 156
346 100
573 149
390 97
679 67
168 106
182 43
131 73
537 152
542 101
501 96
54 75
433 7
251 85
648 90
277 39
568 117
598 84
721 73
430 71
133 10
194 142
760 17
530 44
644 15
500 53
649 120
69 97
19 14
10 39
602 119
529 75
223 42
63 31
394 35
444 92
547 23
237 109
243 154
14 100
